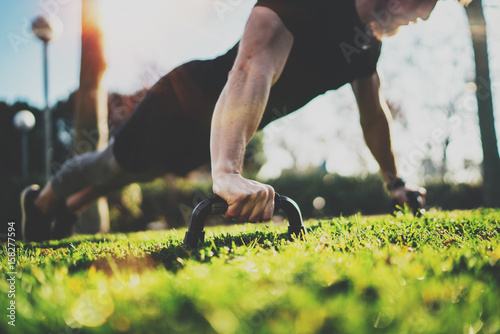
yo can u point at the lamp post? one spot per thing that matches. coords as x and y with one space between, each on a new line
24 121
46 29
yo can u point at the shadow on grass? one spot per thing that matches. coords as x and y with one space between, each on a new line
172 256
169 254
66 243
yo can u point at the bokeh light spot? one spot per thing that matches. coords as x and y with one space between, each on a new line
93 308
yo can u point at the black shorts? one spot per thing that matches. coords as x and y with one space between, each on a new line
171 126
165 131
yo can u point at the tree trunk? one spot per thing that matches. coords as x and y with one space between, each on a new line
491 158
91 111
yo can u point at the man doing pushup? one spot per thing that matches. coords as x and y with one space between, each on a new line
291 51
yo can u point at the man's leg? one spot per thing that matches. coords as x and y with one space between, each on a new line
47 200
79 202
79 182
163 131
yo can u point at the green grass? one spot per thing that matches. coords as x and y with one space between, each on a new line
437 274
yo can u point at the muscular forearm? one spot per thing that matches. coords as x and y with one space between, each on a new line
262 55
378 138
237 117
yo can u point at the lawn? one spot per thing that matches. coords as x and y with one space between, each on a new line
384 274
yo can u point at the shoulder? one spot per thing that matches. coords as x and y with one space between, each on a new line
263 22
265 18
293 13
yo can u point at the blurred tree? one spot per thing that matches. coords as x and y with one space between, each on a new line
491 158
91 109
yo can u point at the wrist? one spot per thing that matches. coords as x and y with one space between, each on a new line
395 184
221 174
225 167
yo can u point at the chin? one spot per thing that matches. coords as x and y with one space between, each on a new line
380 30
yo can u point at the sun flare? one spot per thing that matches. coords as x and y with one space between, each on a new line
152 33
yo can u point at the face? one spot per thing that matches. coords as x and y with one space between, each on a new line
390 15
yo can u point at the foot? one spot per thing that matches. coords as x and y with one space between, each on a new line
35 225
65 222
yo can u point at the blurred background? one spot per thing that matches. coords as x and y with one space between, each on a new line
434 73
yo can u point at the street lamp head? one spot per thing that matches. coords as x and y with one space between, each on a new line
24 120
47 28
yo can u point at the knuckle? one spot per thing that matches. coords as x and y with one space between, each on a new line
253 196
233 211
230 214
262 192
255 217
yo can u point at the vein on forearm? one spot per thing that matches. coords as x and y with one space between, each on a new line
237 116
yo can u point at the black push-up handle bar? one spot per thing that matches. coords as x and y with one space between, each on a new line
415 203
215 205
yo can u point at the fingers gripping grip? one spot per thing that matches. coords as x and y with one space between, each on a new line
215 205
415 203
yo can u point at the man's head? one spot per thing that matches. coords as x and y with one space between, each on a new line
389 15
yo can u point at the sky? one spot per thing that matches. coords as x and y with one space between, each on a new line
424 67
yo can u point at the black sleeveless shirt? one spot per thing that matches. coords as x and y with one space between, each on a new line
331 48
